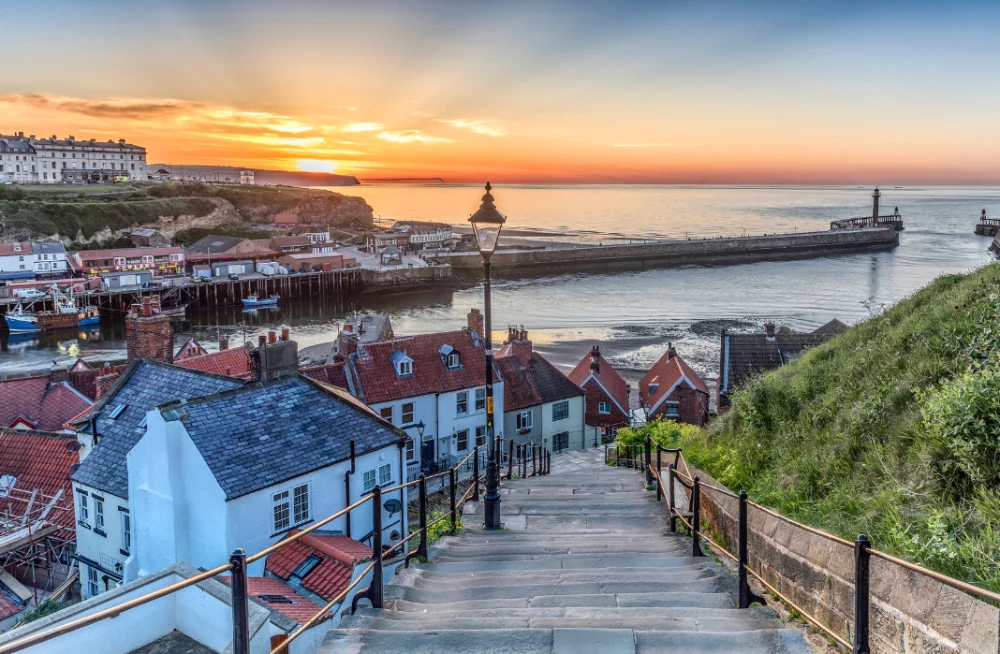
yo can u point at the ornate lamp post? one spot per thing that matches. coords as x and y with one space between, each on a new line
487 223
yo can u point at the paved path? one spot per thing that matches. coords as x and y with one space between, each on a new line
585 564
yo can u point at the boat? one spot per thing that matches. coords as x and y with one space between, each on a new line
21 320
255 301
178 311
90 315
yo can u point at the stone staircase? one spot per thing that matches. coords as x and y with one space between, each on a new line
585 564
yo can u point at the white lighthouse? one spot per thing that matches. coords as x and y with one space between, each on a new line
876 194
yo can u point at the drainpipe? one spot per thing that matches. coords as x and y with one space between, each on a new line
347 488
437 427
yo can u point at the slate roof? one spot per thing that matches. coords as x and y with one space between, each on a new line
39 461
537 383
234 362
266 433
217 244
47 247
297 608
607 376
666 374
334 374
45 405
143 386
743 355
337 554
377 375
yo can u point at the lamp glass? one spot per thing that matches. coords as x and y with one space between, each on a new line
487 236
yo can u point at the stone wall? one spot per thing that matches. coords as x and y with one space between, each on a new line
709 250
911 613
405 278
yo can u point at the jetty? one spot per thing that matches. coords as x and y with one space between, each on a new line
987 226
893 220
704 251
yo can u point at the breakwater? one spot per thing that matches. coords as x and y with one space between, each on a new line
707 251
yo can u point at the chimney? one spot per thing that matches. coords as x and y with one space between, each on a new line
275 359
347 344
223 342
595 359
262 341
148 334
121 141
769 330
671 352
21 134
58 374
521 347
285 333
272 337
476 322
147 307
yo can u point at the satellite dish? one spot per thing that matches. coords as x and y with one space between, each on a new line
393 506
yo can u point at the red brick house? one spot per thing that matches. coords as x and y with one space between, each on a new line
672 390
607 396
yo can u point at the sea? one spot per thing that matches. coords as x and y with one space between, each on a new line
633 315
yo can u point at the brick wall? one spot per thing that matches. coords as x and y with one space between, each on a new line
149 337
910 613
692 404
593 416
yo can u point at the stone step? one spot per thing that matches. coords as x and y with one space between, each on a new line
475 550
581 562
529 591
727 611
625 621
480 581
548 576
563 641
679 598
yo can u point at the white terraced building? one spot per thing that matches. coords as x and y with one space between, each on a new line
30 160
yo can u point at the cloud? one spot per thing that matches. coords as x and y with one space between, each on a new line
642 145
363 127
484 127
411 136
116 108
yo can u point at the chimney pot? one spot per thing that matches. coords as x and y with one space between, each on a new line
285 333
272 337
476 322
769 330
261 340
223 343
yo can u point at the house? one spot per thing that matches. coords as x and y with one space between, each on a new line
607 397
115 280
332 374
226 248
317 234
433 386
744 355
286 219
305 262
425 235
225 268
244 467
165 260
36 516
400 240
290 244
22 260
672 390
237 362
195 620
104 532
147 237
247 177
540 403
161 175
43 402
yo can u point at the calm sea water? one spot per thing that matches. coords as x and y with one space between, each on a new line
633 314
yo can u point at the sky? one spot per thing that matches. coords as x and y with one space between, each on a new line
793 92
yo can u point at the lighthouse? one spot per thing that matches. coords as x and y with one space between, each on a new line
876 194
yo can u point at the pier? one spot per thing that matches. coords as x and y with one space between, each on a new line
706 251
988 226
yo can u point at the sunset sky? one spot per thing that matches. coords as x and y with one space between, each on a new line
790 92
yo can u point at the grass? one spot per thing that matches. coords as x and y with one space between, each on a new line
890 429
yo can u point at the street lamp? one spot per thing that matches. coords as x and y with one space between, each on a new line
486 225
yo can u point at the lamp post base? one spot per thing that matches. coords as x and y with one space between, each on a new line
491 503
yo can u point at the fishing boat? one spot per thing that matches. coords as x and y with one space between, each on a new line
177 311
255 301
90 315
21 320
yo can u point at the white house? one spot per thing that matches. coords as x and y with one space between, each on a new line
541 405
243 468
424 234
28 260
105 530
433 386
54 160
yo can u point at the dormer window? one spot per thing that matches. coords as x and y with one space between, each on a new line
450 356
402 363
653 388
452 360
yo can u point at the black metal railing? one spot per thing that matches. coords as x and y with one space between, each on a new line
532 454
890 220
678 474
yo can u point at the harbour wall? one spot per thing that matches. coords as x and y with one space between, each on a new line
405 279
725 250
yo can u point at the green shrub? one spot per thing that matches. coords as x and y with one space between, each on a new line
47 607
442 528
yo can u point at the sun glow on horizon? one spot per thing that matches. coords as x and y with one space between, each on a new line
316 166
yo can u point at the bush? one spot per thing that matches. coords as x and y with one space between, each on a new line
442 528
47 607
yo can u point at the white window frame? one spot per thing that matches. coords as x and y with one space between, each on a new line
281 504
460 435
384 474
461 399
403 413
524 420
480 435
383 411
368 483
404 368
480 399
297 517
410 450
83 512
604 408
561 405
667 406
98 513
126 531
453 361
93 585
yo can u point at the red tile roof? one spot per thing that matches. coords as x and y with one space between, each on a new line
39 461
666 373
190 348
7 249
377 373
46 405
338 555
8 606
298 608
518 391
334 374
607 376
234 362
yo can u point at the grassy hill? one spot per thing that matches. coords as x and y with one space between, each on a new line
891 429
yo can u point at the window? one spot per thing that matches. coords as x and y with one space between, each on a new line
93 588
386 413
98 513
560 411
407 418
126 532
463 440
604 407
480 435
524 420
673 409
369 480
384 474
83 512
560 441
282 519
117 411
462 402
300 503
306 566
480 399
453 360
409 449
653 388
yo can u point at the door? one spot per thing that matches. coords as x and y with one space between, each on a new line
426 453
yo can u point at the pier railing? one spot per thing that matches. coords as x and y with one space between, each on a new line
683 491
894 220
527 458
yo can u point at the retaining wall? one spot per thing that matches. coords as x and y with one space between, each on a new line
910 613
405 278
697 251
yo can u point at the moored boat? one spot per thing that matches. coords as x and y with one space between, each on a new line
256 301
90 315
177 311
21 320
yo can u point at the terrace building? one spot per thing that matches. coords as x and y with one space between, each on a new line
672 390
22 260
30 160
607 397
159 260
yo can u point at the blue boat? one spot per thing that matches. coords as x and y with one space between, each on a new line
254 301
20 320
90 315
